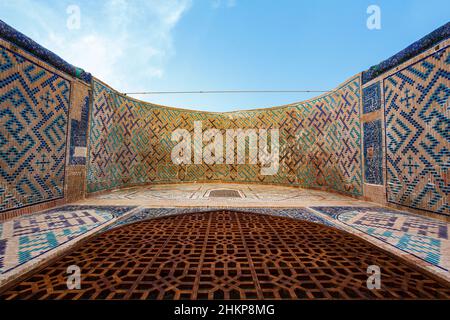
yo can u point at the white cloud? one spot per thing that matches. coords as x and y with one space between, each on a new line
122 42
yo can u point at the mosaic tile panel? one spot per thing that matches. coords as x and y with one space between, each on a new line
373 152
371 97
418 135
28 237
79 131
320 142
34 105
425 238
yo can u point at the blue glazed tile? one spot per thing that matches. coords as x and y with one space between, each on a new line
414 49
372 98
373 152
12 35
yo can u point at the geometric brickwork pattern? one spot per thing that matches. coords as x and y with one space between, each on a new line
371 97
320 142
373 152
34 105
425 238
28 237
418 134
227 255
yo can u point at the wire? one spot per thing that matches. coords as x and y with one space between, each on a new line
228 91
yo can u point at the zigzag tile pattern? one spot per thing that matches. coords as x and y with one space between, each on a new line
418 135
34 104
130 142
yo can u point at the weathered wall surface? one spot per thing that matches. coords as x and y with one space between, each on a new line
320 142
39 110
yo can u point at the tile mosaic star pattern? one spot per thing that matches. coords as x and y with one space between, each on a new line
320 142
417 134
425 238
28 237
34 106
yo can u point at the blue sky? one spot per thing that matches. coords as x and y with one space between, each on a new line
224 44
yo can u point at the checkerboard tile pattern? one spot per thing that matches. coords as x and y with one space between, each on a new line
26 238
425 238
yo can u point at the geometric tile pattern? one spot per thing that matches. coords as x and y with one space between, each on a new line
418 134
227 255
371 97
187 192
34 105
28 237
373 152
425 238
78 134
320 142
152 213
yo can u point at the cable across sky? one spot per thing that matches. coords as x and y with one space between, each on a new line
228 92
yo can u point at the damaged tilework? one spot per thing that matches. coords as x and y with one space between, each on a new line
78 135
373 152
371 97
425 238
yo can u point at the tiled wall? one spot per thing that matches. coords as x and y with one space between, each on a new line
411 102
383 134
38 105
320 142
